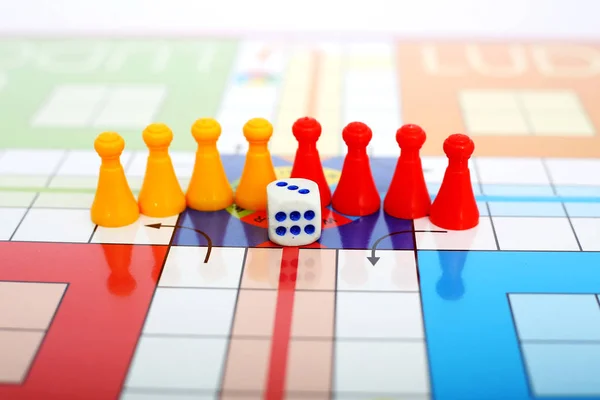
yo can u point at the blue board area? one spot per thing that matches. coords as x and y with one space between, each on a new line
512 325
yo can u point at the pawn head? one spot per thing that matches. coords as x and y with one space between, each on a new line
109 145
206 130
258 130
157 135
410 136
357 134
459 146
306 128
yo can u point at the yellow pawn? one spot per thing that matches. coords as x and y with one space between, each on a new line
161 194
251 193
114 204
209 188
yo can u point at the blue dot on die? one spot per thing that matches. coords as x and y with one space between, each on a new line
292 187
294 215
280 230
281 184
310 229
303 191
295 230
280 216
309 215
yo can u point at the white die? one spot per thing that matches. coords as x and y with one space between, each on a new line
294 212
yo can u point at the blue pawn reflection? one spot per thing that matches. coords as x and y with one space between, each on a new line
450 285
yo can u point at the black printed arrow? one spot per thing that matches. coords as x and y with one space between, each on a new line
160 225
374 259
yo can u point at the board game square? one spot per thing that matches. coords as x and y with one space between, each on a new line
570 171
496 122
556 316
479 238
316 269
255 313
25 305
396 368
18 349
526 209
395 271
247 366
313 314
563 370
262 268
64 200
86 163
185 267
177 363
588 233
187 311
138 232
582 210
488 100
378 316
16 198
540 233
70 106
309 367
549 100
55 225
18 162
511 171
116 110
560 123
9 221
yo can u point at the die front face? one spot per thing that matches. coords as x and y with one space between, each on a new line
294 212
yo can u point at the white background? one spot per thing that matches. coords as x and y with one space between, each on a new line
570 19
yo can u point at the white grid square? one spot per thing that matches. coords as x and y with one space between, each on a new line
560 123
396 270
9 221
550 100
131 106
529 112
514 171
40 163
521 233
572 171
177 363
393 367
479 238
496 122
137 232
488 101
70 106
588 233
185 267
378 316
64 200
177 311
16 198
55 225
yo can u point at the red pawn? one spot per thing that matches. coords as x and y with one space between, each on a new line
454 207
407 197
356 193
307 163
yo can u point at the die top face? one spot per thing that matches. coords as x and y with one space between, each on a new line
293 188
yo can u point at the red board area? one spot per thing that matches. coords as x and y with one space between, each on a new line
92 338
